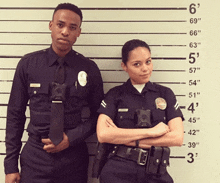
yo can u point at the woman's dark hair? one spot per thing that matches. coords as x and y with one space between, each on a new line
131 45
69 6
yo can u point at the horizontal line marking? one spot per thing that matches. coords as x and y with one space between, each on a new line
102 33
115 82
182 107
3 154
178 157
110 70
170 82
103 21
16 44
3 104
101 8
114 70
2 93
158 21
169 70
120 82
7 68
109 58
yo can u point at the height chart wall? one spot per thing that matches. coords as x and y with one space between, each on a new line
184 39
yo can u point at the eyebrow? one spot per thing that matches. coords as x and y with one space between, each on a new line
60 21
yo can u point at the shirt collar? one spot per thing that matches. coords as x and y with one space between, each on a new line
53 57
148 86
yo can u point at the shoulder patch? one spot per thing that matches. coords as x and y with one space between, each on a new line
103 104
176 106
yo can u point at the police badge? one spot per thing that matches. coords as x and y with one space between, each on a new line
82 78
161 103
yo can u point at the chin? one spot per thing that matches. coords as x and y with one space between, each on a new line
64 48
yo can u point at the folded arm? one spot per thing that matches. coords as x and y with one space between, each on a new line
173 138
108 132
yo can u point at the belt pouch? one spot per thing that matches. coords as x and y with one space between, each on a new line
154 159
164 160
101 158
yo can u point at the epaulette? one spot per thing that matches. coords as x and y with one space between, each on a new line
82 56
35 53
162 89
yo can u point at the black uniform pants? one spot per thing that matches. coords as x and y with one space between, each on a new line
68 166
125 171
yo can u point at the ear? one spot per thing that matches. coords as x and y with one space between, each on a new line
50 25
124 67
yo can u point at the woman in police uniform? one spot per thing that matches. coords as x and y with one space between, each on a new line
141 119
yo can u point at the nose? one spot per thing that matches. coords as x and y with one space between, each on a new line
145 68
65 31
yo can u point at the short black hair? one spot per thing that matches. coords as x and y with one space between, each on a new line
69 6
131 45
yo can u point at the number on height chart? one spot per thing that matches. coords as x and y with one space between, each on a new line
192 57
192 8
192 107
192 157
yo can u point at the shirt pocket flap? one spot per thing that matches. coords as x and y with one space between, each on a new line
124 113
38 89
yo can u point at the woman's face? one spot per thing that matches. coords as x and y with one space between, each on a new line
139 65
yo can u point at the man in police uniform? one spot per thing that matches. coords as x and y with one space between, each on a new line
42 160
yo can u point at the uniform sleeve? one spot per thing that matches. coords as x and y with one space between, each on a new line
15 119
108 104
173 108
96 94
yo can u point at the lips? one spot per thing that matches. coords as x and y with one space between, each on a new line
66 41
145 75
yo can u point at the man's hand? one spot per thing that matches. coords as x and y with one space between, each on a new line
12 178
51 148
160 129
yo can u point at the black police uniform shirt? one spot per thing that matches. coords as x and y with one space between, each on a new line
121 103
32 81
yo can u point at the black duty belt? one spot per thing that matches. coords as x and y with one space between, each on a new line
138 155
37 138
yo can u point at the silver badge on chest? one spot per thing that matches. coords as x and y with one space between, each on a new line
82 78
161 103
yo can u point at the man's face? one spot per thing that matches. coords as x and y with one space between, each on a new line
65 28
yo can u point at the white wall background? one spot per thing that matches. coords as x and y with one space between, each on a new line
107 25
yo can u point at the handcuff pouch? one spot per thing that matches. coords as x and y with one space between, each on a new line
164 160
153 161
158 160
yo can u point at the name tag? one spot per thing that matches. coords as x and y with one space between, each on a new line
123 110
35 85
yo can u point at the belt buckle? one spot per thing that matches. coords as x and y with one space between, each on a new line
142 161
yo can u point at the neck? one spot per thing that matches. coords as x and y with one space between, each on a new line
59 52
